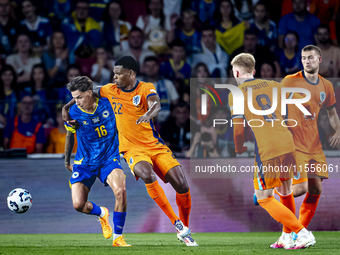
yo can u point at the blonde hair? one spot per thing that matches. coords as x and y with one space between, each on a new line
244 60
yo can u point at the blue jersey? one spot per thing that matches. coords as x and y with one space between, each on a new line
97 134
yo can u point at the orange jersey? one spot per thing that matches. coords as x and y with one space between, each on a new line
305 133
128 106
272 139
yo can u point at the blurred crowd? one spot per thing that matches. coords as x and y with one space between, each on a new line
46 43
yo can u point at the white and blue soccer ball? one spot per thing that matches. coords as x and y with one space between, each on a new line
19 200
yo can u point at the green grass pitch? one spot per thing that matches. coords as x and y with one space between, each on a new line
154 243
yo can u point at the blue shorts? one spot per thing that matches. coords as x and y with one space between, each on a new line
87 174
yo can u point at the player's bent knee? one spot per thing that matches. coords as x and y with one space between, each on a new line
78 206
120 194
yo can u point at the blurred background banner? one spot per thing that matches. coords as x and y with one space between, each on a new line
218 204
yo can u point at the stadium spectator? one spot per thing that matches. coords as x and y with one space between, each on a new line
39 29
83 32
325 130
213 55
300 21
290 57
260 53
57 136
97 8
326 11
267 71
187 33
229 30
172 10
9 29
244 9
64 95
56 59
330 64
153 26
135 47
8 94
102 70
116 29
139 8
23 60
24 131
165 88
41 93
203 146
58 10
176 132
204 9
266 28
176 68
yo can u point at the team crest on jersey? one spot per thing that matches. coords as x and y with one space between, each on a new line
106 114
75 175
136 100
95 120
85 122
131 161
322 96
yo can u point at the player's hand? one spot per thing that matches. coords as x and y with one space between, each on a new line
309 117
144 119
335 140
243 149
66 117
69 167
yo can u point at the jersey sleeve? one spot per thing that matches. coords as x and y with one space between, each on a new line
104 91
149 90
69 127
330 100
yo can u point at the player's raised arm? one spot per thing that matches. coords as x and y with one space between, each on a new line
335 123
154 106
69 143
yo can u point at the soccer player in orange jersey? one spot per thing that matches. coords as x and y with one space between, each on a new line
135 104
309 155
274 148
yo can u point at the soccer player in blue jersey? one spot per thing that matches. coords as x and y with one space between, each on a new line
97 156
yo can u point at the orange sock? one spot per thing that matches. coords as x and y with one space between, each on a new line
157 194
281 213
308 208
289 202
184 206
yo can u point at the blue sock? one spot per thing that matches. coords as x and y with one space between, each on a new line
96 209
119 221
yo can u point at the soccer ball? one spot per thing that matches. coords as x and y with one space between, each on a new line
19 200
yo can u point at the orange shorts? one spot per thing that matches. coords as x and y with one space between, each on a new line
310 164
271 172
161 158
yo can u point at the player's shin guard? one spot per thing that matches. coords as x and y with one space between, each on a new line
289 202
157 194
184 206
281 213
95 209
119 222
308 208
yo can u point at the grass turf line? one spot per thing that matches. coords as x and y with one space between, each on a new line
155 243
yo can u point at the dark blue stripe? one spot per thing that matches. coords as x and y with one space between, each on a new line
153 94
137 82
260 165
331 107
236 115
303 74
155 133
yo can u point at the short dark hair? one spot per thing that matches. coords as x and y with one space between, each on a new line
325 26
177 43
133 29
250 31
81 83
180 104
73 66
208 27
312 47
151 58
128 62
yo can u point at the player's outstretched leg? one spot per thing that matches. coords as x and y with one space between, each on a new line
177 179
116 180
285 216
79 198
145 171
310 203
